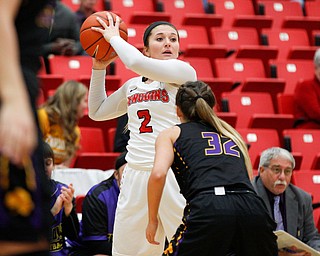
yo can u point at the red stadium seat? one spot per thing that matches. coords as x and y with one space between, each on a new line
86 121
240 13
42 70
40 98
285 103
112 82
316 163
250 74
229 117
219 86
304 141
291 43
312 8
279 10
49 82
201 65
138 12
289 14
194 42
79 201
308 180
258 140
190 12
242 43
70 67
100 161
292 71
111 134
256 111
74 5
91 140
123 72
239 69
247 104
135 35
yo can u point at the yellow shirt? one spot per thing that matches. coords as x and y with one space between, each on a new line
53 135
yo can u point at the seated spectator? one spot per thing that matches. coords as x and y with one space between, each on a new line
59 117
307 99
64 38
65 220
98 212
86 8
275 172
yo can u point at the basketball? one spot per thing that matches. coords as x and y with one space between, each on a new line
93 42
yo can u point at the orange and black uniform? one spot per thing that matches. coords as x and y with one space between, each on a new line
222 207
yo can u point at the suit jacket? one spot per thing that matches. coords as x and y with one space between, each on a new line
299 213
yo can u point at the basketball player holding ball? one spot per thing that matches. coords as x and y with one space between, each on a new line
149 101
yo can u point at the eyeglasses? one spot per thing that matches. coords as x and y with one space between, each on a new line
277 170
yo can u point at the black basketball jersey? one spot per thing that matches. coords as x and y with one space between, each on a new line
205 159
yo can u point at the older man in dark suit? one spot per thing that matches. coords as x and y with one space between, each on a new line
294 213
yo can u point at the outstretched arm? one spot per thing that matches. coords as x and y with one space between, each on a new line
169 71
163 159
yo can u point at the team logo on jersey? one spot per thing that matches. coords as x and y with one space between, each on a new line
155 95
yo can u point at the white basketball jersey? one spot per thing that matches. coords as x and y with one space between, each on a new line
151 109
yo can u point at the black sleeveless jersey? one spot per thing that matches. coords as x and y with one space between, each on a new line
204 159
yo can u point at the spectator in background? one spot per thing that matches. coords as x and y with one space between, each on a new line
98 212
307 99
86 8
59 118
64 38
275 173
65 219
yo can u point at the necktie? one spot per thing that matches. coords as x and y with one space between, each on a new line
277 213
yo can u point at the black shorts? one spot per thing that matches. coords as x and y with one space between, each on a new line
220 224
24 205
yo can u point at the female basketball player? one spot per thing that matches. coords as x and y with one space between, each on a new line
213 169
149 100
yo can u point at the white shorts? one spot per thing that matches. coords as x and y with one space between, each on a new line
129 235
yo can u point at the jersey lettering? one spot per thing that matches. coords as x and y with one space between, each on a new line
145 115
155 95
217 147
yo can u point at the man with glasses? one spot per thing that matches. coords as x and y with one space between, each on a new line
293 213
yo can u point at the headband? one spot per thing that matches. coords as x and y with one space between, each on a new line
152 26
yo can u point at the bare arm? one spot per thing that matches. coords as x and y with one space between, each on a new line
163 159
16 119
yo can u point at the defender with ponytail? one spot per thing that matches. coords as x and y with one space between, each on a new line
212 167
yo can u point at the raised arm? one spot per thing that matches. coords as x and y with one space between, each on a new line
168 71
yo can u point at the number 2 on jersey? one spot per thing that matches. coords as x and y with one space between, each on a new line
145 115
